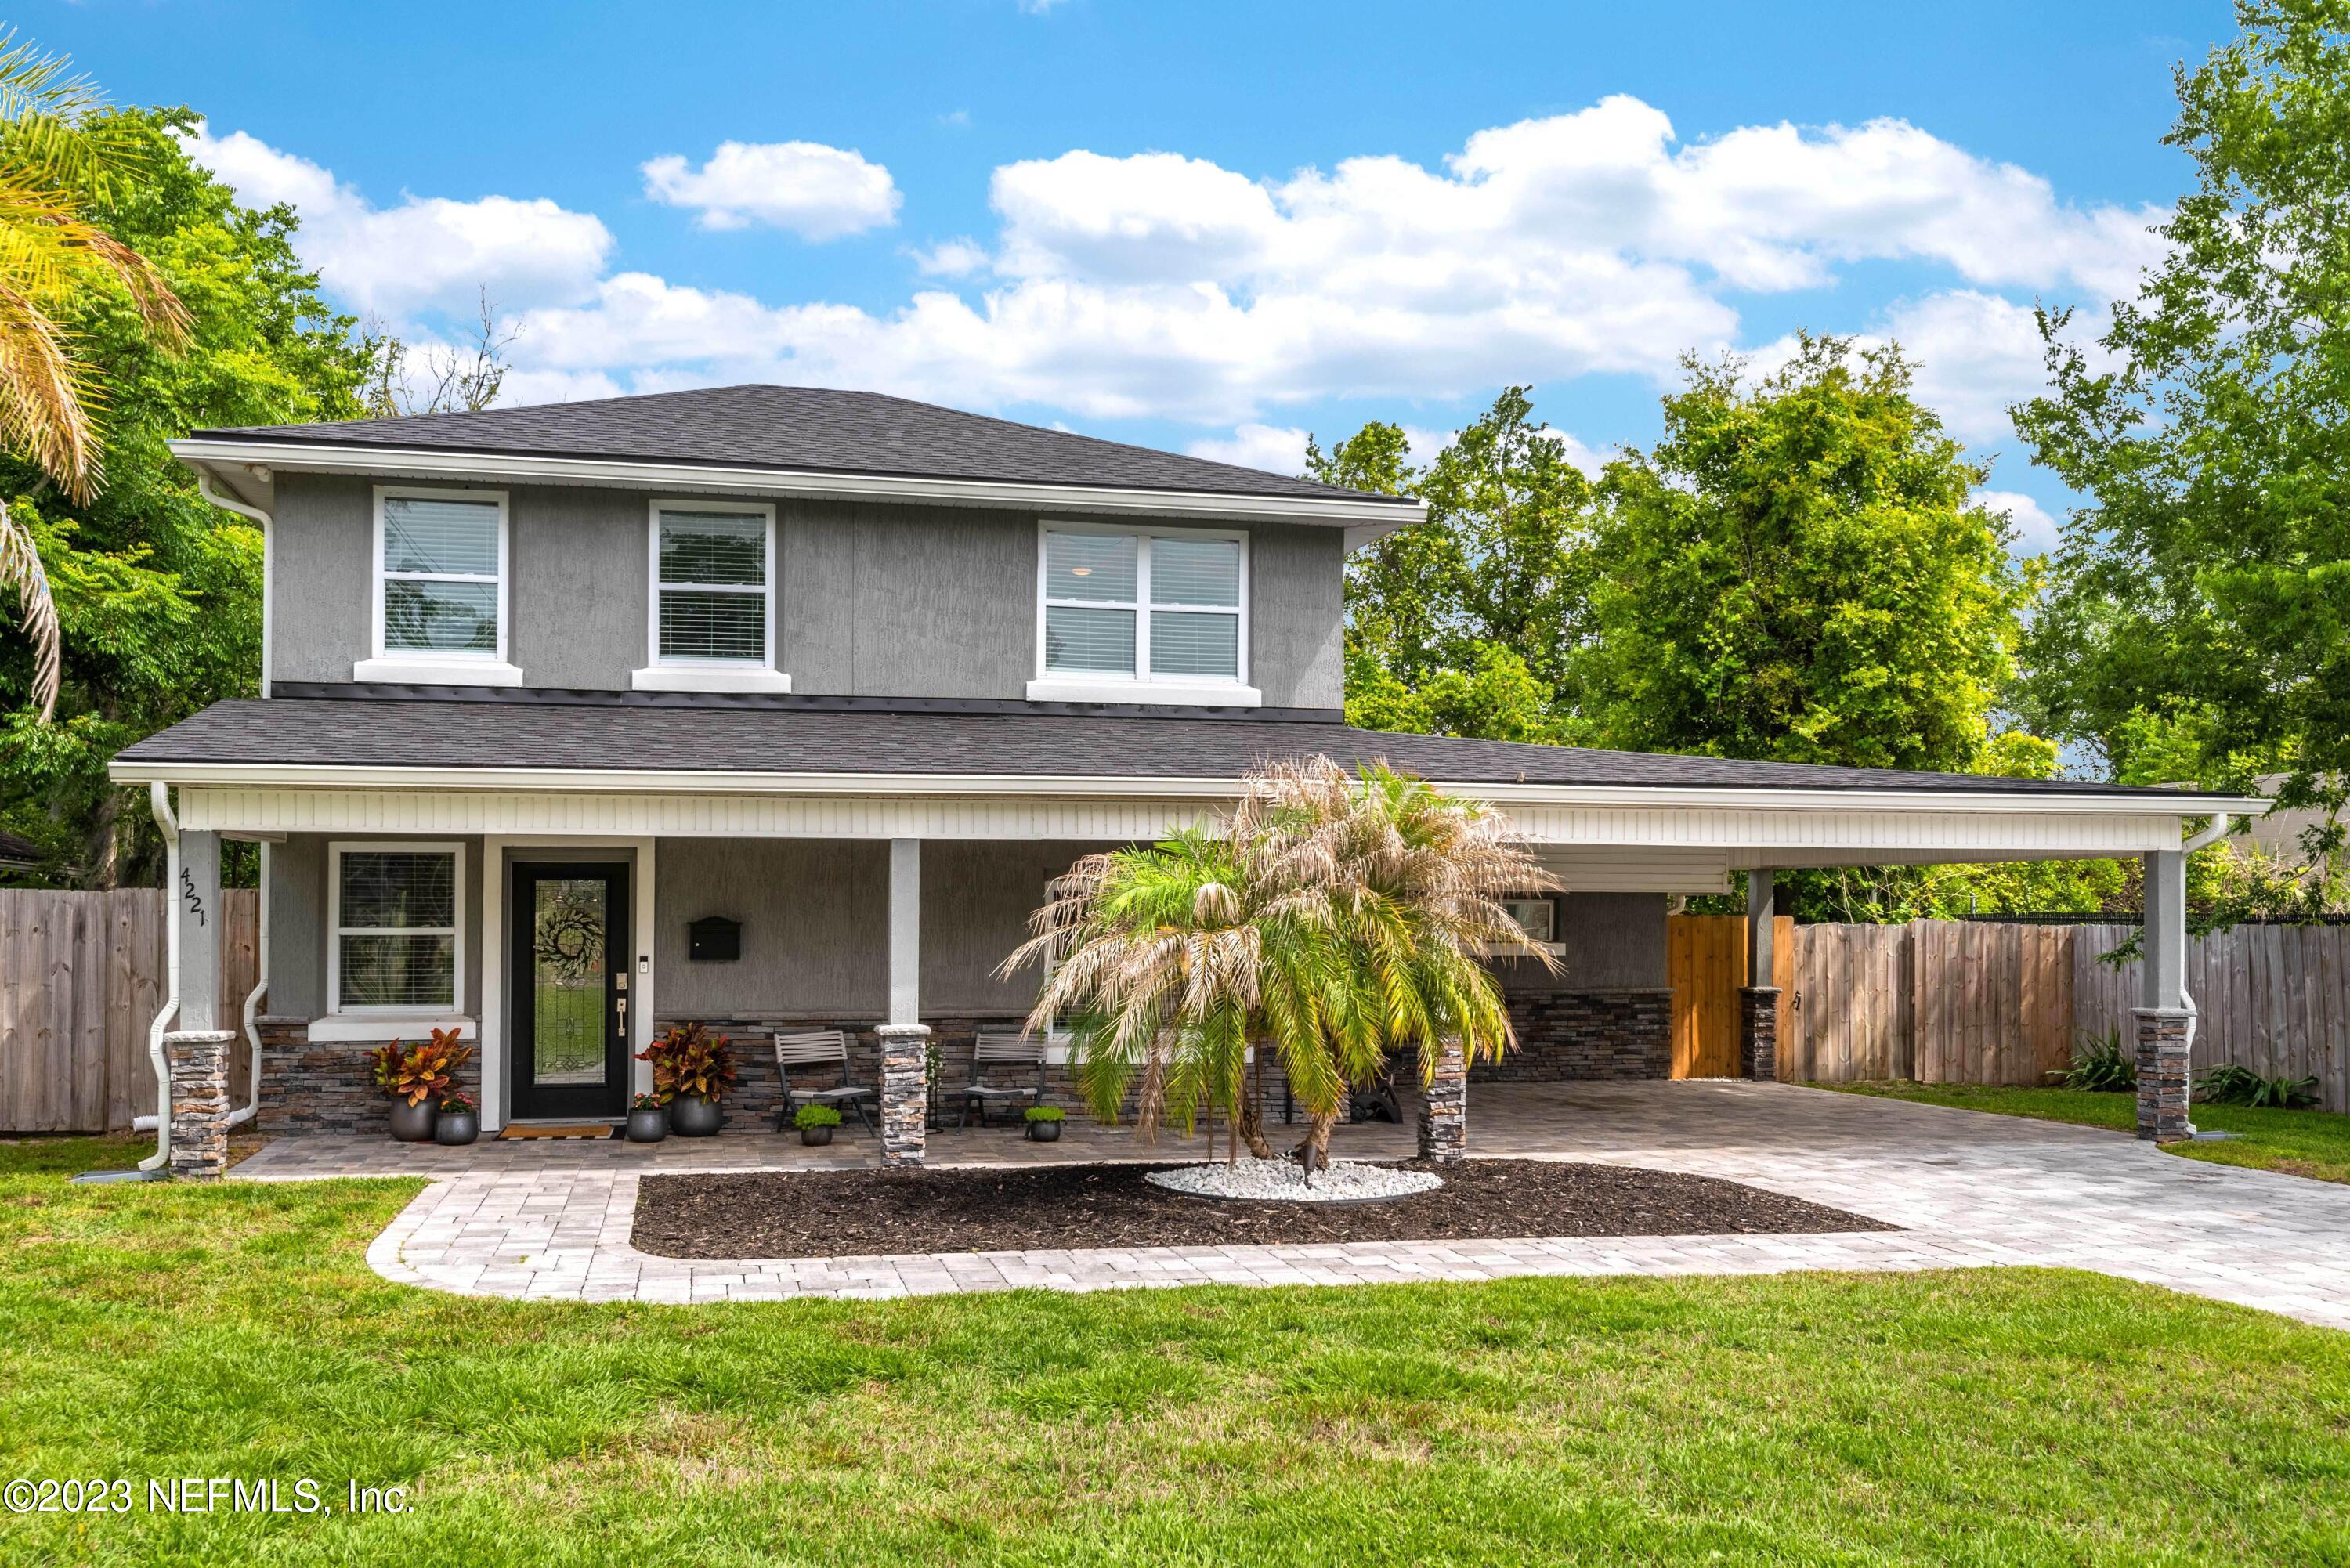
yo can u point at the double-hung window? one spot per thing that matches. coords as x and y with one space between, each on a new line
713 616
1143 616
440 587
397 916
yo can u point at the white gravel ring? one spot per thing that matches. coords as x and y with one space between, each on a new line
1283 1181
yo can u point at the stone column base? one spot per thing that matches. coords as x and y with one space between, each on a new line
1758 1032
905 1092
199 1064
2162 1075
1444 1115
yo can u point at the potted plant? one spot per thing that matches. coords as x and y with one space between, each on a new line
648 1119
460 1121
1045 1123
692 1069
816 1124
416 1077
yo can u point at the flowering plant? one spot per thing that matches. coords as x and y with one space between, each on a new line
456 1103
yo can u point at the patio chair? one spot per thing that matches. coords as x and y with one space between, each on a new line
1002 1049
817 1048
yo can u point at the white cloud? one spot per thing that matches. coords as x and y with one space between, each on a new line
2035 531
1160 285
816 191
428 251
1277 449
950 258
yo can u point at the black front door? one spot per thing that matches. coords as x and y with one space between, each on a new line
568 954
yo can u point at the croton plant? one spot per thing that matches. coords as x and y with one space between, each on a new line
690 1060
418 1072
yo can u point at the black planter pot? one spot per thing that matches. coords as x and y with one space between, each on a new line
457 1129
649 1127
414 1124
1044 1132
691 1115
815 1137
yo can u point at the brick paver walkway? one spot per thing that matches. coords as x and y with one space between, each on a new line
1971 1190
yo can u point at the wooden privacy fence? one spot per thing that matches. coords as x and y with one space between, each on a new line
81 975
1978 1002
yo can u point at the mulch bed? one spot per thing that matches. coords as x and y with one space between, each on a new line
860 1213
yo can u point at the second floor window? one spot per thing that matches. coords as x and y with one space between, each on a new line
1143 606
444 578
712 585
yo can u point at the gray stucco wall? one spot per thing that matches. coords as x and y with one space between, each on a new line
1613 941
814 916
873 600
298 933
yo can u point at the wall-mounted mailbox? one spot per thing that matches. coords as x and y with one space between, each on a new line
713 938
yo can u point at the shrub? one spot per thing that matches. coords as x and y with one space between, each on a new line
816 1116
1046 1114
2238 1085
690 1060
418 1072
2102 1065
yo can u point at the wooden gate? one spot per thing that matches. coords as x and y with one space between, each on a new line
1705 963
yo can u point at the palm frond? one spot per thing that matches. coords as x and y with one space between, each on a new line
20 568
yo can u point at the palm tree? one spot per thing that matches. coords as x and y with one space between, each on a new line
57 153
1336 920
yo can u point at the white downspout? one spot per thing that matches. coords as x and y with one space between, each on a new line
159 801
268 527
252 1107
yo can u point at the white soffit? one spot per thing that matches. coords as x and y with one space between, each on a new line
1718 837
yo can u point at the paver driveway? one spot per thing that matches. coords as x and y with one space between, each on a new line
1970 1189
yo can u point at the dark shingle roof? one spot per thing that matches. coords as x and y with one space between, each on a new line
805 428
724 738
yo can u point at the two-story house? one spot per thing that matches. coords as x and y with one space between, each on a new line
776 708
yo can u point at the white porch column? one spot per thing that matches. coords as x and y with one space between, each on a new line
905 1081
2165 1014
1757 1001
197 1050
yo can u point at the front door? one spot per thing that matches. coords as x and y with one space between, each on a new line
568 949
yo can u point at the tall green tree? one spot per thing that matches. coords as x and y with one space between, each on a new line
157 592
2199 618
1466 623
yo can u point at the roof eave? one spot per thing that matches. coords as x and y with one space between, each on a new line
1364 520
307 776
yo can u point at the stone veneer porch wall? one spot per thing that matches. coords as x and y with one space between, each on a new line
309 1086
1569 1035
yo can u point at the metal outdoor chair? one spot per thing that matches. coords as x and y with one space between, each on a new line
815 1049
1001 1050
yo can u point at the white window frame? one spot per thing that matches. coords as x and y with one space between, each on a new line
426 666
1141 686
412 1016
665 674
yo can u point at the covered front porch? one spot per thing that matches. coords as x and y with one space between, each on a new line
881 905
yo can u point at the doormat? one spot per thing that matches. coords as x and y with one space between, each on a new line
593 1129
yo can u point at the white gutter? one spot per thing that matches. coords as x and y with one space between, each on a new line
205 488
312 457
159 801
681 781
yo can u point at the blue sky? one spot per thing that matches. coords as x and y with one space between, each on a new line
1202 226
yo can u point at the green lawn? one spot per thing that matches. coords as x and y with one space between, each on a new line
2300 1143
2010 1416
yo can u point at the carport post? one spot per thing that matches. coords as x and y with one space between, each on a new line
1758 1004
2165 1014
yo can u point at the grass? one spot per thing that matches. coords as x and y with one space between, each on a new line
2299 1143
1980 1416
